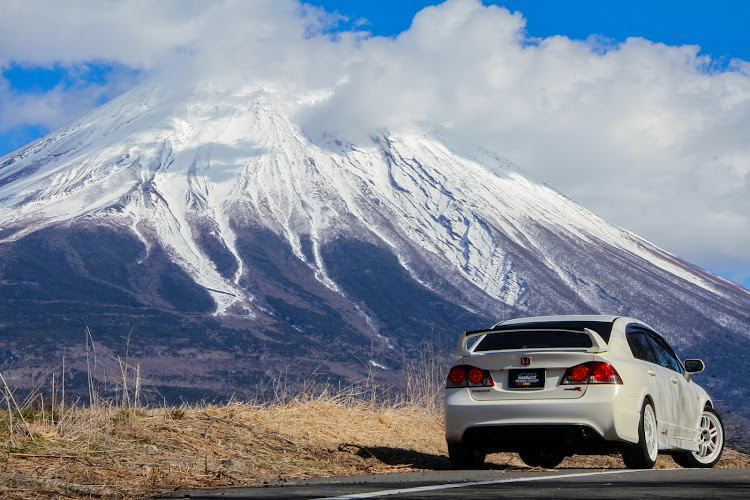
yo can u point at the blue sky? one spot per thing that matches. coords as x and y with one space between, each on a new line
649 134
720 28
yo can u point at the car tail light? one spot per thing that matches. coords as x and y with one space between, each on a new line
469 376
579 373
475 376
605 373
456 376
593 372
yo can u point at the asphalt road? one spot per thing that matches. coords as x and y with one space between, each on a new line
559 484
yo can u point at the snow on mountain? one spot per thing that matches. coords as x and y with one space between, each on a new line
154 156
225 181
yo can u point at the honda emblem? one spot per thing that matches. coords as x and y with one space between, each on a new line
525 361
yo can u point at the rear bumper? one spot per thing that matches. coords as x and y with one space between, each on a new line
604 409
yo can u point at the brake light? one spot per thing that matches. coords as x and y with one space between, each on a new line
456 376
475 376
469 376
579 373
603 372
593 372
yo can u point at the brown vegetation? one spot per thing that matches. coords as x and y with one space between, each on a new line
113 448
118 452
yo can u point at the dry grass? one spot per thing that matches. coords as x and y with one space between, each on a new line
127 453
114 449
123 453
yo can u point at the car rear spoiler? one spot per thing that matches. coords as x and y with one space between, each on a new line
597 342
463 341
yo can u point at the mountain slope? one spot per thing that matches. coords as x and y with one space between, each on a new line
248 247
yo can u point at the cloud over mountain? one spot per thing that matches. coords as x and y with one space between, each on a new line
652 137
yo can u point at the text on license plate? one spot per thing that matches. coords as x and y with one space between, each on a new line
526 379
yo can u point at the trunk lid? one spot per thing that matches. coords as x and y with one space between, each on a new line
528 374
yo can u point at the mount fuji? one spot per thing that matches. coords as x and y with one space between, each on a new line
245 248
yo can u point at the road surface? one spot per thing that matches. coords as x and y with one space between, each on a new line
573 484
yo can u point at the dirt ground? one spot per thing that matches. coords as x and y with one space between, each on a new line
132 453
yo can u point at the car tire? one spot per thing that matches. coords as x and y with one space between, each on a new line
465 456
548 459
642 455
710 443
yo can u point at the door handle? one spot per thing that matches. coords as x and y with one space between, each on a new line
652 373
674 380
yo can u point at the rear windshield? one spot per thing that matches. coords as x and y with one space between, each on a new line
603 328
532 339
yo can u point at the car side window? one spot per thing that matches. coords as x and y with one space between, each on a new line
664 353
641 347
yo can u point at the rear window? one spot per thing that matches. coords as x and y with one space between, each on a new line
532 339
603 328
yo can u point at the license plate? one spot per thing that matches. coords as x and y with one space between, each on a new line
526 379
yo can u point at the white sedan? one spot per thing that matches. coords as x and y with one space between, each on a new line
554 386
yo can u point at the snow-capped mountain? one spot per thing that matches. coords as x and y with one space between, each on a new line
243 242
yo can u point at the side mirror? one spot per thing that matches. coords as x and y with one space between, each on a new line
694 366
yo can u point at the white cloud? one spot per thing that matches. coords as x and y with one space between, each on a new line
644 134
230 41
137 33
649 136
59 105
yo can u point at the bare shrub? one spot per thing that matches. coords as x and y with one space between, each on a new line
113 447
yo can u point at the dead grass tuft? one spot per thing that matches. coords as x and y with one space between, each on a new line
116 449
129 453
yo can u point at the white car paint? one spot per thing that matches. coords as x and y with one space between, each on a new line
613 411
